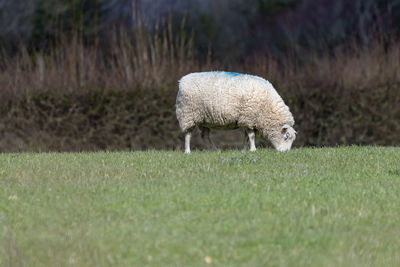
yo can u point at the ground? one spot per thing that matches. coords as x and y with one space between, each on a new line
306 207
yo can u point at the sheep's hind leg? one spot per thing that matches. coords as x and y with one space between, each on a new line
188 135
205 132
252 139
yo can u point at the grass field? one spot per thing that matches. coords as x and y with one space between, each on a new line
308 207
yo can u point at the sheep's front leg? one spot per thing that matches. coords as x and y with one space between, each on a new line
188 135
245 140
252 139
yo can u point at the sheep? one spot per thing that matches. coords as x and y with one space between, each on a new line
229 100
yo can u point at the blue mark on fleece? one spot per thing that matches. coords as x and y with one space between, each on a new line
234 74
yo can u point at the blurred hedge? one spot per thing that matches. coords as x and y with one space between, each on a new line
145 119
93 120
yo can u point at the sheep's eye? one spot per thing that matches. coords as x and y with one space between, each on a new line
287 135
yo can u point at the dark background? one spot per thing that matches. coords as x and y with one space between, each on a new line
93 75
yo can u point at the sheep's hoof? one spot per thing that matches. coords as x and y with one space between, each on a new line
252 149
187 152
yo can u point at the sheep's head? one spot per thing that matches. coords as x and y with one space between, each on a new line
283 137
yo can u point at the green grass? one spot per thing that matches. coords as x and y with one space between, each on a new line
307 207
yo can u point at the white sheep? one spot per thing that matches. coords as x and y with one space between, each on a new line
229 100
